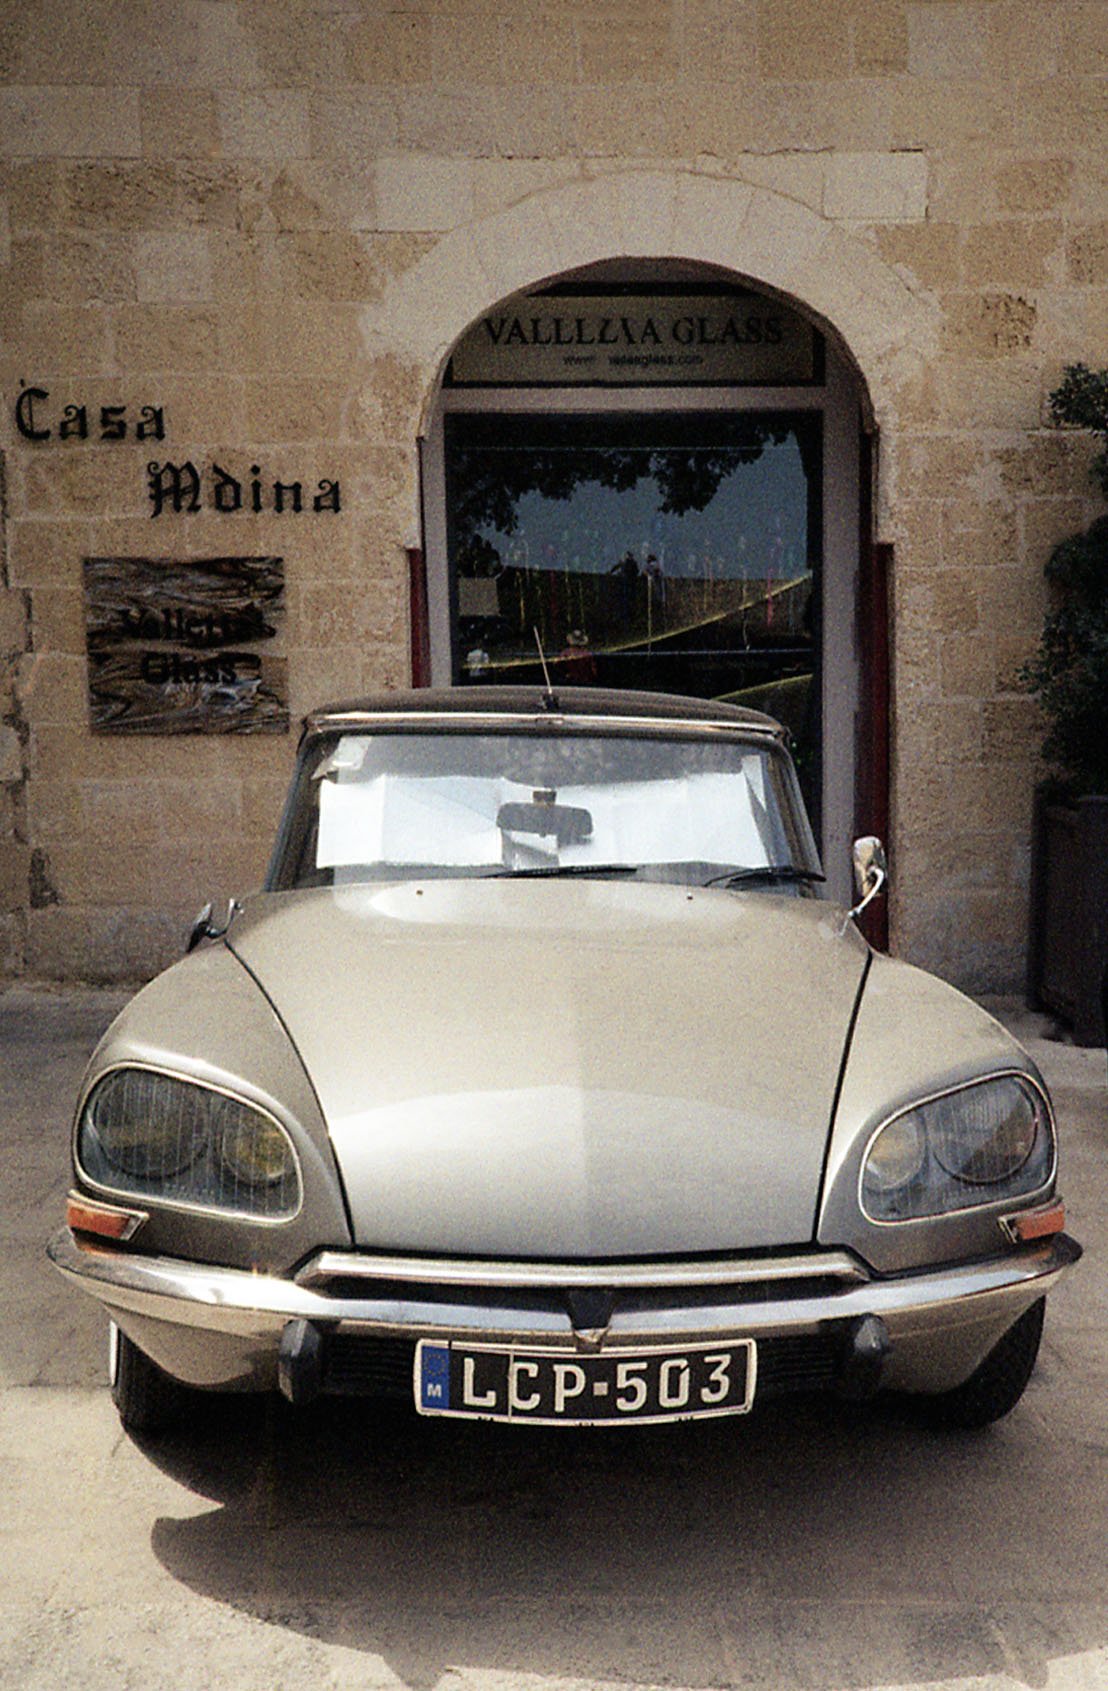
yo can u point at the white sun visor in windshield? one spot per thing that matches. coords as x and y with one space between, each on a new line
451 821
444 820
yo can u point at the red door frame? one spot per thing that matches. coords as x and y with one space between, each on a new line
419 621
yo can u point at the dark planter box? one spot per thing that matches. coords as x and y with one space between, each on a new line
1068 953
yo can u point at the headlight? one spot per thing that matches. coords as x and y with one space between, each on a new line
897 1156
155 1136
980 1143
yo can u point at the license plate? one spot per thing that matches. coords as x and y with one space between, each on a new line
603 1388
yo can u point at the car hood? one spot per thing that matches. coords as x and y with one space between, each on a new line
560 1069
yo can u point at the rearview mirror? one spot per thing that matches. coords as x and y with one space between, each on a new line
569 824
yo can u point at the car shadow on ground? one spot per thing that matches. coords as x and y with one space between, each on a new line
810 1544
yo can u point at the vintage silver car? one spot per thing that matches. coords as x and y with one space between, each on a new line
543 1083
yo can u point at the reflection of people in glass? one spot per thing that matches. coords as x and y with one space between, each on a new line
577 662
775 566
655 596
627 574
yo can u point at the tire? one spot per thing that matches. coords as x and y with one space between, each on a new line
148 1399
997 1385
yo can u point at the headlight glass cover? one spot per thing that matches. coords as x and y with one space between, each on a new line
990 1140
158 1136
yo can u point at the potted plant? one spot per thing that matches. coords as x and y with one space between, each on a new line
1069 676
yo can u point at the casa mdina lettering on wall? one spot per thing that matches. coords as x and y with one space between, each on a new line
181 645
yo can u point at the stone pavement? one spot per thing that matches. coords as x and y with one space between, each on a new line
812 1546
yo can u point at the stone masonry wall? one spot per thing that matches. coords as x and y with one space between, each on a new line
223 207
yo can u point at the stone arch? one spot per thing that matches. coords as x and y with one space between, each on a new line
887 327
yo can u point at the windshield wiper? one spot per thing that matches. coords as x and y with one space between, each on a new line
550 871
782 872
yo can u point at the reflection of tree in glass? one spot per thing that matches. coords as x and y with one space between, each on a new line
488 484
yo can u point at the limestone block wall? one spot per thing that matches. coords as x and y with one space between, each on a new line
271 218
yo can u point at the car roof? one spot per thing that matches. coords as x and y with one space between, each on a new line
535 704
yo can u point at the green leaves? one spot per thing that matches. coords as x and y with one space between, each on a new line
1069 672
1082 401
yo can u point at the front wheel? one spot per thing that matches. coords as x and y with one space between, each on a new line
148 1399
997 1384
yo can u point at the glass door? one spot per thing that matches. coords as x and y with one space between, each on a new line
676 552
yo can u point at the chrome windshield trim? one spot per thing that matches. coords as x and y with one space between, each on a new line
490 721
454 1271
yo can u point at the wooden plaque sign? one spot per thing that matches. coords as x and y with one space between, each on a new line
186 647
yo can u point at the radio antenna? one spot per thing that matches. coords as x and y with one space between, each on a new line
550 697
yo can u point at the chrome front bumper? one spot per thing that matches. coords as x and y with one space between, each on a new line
223 1327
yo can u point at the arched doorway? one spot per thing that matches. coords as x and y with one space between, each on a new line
656 471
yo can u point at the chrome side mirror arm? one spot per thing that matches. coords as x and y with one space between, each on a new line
871 872
204 928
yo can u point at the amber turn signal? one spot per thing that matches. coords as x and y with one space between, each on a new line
85 1215
1040 1223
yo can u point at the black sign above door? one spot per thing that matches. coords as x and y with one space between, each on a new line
713 337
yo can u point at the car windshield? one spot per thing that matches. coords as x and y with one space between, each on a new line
686 807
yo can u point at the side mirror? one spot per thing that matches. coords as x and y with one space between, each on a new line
204 928
871 870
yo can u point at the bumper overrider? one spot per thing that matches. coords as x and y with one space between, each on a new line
350 1323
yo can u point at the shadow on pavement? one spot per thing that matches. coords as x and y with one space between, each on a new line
810 1545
